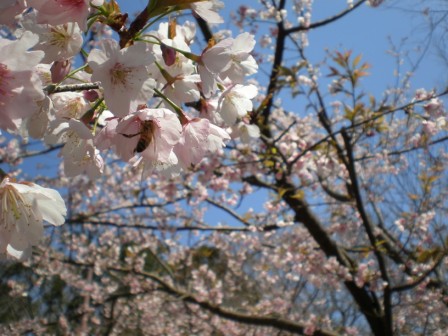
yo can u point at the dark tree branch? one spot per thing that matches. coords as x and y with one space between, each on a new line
204 27
386 316
266 106
326 21
420 279
362 296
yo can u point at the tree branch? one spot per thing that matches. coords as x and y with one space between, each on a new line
386 316
266 321
326 21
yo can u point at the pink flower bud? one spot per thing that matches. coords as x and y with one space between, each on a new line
90 95
59 70
168 54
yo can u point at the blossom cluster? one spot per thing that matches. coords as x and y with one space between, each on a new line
132 97
161 61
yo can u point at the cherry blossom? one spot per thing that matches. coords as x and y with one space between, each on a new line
55 12
245 131
228 58
261 206
58 42
79 152
177 81
123 75
236 101
20 87
208 10
152 133
241 62
37 124
199 137
23 208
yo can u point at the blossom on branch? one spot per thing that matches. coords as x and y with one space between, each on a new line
23 208
229 58
123 75
245 132
20 86
207 10
149 133
57 42
56 12
79 153
236 101
199 137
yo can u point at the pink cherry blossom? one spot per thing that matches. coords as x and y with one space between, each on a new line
20 87
191 147
58 42
123 75
151 132
325 214
58 12
199 137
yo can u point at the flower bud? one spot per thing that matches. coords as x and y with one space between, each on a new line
59 70
168 54
90 95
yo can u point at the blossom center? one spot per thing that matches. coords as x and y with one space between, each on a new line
11 205
59 36
119 74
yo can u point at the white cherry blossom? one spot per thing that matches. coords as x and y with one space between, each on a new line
70 104
208 10
23 209
229 58
79 152
245 132
57 42
236 101
241 62
123 75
